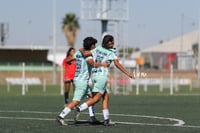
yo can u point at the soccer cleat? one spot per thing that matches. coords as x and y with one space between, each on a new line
76 114
108 122
94 121
61 121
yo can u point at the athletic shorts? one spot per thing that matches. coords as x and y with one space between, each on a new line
99 83
68 80
81 90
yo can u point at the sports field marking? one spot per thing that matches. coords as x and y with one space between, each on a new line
28 118
117 122
180 123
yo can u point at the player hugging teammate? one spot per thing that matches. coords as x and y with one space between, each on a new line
103 54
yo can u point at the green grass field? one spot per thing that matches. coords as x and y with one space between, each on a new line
150 112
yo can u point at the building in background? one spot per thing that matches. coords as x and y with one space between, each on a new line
177 51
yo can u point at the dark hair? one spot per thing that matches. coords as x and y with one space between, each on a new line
69 50
106 39
88 42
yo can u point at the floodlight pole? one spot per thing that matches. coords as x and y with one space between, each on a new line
54 42
104 18
104 24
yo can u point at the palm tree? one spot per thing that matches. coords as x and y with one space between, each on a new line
70 27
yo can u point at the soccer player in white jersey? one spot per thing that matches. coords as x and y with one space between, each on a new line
103 53
83 71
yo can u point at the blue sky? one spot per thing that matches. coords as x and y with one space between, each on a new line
30 21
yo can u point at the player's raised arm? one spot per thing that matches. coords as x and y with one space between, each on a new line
85 53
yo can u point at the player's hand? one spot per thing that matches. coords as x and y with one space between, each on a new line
105 64
81 50
131 75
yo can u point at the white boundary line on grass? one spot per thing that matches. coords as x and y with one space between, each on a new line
125 123
180 123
